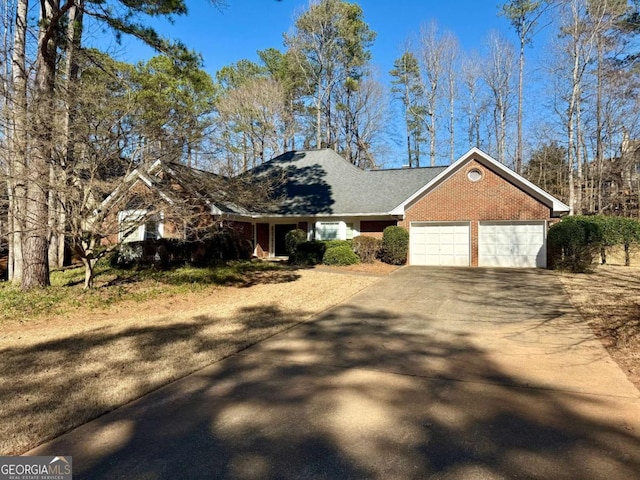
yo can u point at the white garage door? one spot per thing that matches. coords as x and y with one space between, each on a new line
439 244
513 244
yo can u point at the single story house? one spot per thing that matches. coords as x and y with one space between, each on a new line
474 212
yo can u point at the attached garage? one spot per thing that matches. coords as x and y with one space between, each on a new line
512 244
440 243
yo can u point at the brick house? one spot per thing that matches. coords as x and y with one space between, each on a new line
475 212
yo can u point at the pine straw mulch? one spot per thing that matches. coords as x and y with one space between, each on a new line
609 300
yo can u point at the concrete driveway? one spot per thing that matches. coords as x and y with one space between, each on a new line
430 373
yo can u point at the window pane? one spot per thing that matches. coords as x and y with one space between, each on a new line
151 230
329 230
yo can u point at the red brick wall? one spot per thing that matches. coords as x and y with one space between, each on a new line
243 230
374 228
459 199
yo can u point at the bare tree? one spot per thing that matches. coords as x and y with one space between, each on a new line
17 142
432 50
604 18
255 117
364 124
524 16
578 51
474 99
450 65
499 78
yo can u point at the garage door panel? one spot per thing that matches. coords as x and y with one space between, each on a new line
439 244
461 250
447 239
504 244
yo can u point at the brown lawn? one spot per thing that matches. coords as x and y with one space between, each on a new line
609 300
61 371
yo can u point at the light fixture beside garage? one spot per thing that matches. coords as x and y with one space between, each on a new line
474 175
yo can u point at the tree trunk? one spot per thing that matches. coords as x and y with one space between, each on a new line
89 271
432 143
57 217
518 163
452 120
627 255
18 144
319 121
579 168
407 107
35 244
599 128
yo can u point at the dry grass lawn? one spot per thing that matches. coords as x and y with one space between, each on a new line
609 300
59 372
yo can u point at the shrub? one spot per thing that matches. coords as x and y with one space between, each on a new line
336 243
395 245
293 238
308 253
367 248
629 232
340 255
573 243
609 234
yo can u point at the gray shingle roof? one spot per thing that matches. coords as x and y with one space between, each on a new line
320 182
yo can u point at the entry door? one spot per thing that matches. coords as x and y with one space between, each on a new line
280 230
442 243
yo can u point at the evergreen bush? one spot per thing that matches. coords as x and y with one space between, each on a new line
308 253
293 238
340 255
573 243
336 243
395 245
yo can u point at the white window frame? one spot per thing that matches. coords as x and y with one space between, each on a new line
139 233
320 230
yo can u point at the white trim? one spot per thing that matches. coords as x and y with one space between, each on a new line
136 217
130 176
215 210
556 205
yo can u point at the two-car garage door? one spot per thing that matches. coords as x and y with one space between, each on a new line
500 244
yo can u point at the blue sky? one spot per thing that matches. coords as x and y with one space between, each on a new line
237 31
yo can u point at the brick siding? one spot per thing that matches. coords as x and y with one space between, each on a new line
374 228
490 198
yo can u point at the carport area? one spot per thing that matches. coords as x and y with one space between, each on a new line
448 373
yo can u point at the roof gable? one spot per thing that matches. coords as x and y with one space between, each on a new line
557 207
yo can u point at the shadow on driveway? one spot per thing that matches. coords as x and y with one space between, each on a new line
374 389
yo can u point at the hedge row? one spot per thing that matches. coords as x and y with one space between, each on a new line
391 249
575 242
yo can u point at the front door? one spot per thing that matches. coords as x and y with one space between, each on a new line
280 230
